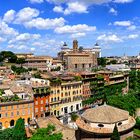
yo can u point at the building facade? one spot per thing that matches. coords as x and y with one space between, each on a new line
10 112
78 58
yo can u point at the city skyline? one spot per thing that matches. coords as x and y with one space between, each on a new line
41 26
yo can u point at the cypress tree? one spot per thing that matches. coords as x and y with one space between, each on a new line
19 132
115 134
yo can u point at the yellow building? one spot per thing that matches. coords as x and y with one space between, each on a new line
65 97
55 99
71 97
10 112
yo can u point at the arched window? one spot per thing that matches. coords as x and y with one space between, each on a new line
55 112
71 108
28 120
12 122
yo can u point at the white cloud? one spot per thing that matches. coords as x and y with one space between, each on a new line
9 16
24 37
26 14
6 30
123 1
123 23
75 7
36 1
2 39
75 29
109 38
45 24
58 9
113 11
133 36
32 49
132 27
80 6
78 35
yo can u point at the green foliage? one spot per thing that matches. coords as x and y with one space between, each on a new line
8 99
10 56
112 62
19 132
18 70
16 133
74 117
77 78
37 75
56 69
101 61
137 123
20 61
56 81
47 134
6 134
115 134
127 102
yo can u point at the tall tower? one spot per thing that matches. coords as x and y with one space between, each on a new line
75 45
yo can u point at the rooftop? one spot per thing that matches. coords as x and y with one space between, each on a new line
105 114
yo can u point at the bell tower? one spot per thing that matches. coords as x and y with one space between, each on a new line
75 45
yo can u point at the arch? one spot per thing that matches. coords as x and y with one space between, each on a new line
0 125
71 108
55 112
12 122
28 120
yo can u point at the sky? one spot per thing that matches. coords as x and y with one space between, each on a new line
42 26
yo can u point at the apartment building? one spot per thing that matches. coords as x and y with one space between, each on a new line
66 96
11 111
41 93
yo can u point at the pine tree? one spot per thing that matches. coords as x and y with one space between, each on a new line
115 134
19 132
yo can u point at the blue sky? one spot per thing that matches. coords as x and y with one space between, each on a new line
41 26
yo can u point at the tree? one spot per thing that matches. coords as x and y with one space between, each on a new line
19 132
37 75
20 61
115 134
6 134
8 55
101 61
74 117
81 48
47 134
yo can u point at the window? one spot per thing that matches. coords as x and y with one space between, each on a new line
120 123
83 65
6 115
36 102
0 108
41 109
75 66
17 113
41 101
36 109
0 115
23 112
100 125
12 107
17 106
12 114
